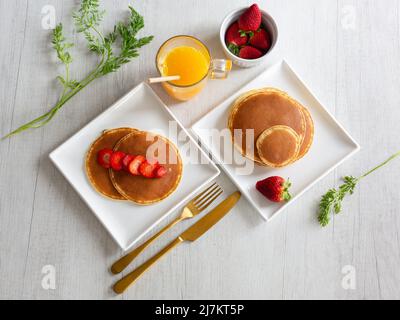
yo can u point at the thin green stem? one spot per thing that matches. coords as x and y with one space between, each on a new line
66 80
380 166
47 117
105 53
29 125
103 56
82 85
98 33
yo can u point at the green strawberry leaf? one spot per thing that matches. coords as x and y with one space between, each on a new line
246 33
286 196
234 49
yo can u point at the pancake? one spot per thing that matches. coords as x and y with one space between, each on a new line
262 109
309 135
97 175
278 146
139 189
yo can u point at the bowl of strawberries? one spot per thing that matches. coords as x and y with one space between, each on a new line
248 35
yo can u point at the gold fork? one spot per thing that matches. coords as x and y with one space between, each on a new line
192 209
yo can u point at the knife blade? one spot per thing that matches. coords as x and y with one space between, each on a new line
211 219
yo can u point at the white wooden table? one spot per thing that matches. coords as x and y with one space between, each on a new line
347 51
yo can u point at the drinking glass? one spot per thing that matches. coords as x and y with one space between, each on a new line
218 68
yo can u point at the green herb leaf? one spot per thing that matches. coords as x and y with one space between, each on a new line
332 201
129 43
61 46
89 15
94 43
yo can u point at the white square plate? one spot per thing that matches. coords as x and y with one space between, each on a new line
332 144
140 108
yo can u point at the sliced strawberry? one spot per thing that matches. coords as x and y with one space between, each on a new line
261 40
160 172
147 169
135 164
116 160
249 52
126 161
104 157
250 20
235 39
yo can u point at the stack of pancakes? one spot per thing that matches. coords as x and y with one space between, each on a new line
121 185
270 127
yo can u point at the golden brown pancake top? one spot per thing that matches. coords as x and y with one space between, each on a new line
97 175
278 146
142 190
262 109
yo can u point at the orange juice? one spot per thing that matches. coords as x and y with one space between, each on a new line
187 62
189 58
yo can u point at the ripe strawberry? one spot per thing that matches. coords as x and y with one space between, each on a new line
116 160
103 158
235 39
275 189
160 172
126 161
251 19
249 52
261 40
135 164
147 169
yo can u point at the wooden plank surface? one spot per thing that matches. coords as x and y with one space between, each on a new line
347 51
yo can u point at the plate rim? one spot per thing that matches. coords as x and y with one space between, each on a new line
281 63
112 108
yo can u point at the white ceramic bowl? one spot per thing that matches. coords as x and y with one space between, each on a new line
267 21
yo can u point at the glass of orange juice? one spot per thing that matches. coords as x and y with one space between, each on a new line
189 58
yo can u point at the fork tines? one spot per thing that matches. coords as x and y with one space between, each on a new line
204 199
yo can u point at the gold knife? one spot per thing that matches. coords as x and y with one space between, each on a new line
191 235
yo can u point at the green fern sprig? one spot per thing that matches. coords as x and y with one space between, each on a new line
331 202
87 20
